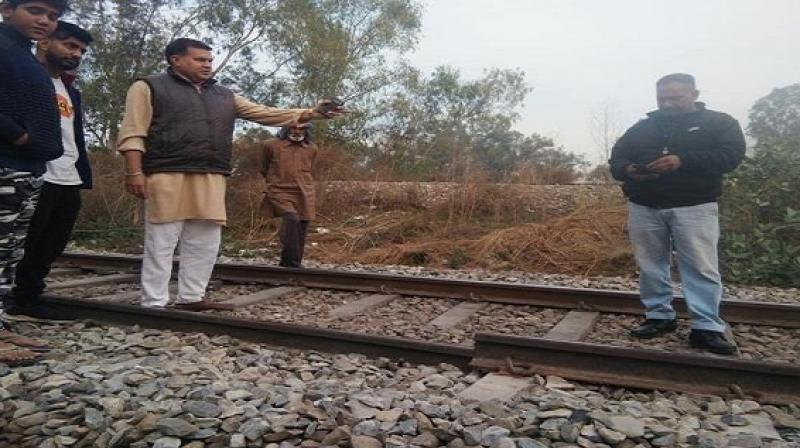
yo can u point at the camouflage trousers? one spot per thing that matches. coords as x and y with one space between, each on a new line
19 193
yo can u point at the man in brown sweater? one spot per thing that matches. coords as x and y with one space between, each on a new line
287 162
176 136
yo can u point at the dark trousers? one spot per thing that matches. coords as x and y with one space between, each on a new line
48 234
293 240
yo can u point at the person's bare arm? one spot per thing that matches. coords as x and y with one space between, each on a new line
134 177
132 135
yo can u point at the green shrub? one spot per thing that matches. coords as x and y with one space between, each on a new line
761 218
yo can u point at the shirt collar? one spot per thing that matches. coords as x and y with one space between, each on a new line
182 78
288 142
701 106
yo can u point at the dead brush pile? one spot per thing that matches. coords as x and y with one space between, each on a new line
589 241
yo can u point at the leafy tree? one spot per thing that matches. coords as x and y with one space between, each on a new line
776 117
318 48
234 27
761 208
441 127
431 124
129 39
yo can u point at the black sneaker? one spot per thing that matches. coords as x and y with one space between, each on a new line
713 341
38 311
654 327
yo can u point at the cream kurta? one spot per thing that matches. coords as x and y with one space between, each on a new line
179 196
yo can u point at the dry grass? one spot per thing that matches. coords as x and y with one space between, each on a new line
456 225
109 216
588 241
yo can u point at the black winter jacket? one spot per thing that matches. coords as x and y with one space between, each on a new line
27 105
709 144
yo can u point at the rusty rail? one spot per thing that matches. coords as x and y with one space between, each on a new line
619 302
647 369
288 335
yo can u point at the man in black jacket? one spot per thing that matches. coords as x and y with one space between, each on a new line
671 165
29 129
60 198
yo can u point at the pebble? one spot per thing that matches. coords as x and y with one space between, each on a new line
201 408
31 420
167 442
610 436
254 429
365 442
629 426
237 441
175 427
734 420
426 440
491 434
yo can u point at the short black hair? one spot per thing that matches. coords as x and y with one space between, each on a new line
681 78
61 5
66 30
181 45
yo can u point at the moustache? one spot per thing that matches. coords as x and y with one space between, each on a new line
70 63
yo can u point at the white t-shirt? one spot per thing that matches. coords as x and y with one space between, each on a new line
62 171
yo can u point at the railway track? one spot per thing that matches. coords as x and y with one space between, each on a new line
559 352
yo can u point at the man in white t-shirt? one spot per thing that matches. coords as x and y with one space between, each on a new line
60 200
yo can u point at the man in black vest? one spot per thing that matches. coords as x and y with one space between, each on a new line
176 136
60 198
671 165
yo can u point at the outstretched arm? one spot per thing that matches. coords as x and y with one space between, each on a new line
273 116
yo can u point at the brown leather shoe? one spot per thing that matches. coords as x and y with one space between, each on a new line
203 305
14 356
34 345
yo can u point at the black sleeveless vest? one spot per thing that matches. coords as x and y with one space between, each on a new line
191 131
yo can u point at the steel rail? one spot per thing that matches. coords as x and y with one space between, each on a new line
592 363
647 369
619 302
289 335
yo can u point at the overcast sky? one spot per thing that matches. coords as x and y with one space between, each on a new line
578 54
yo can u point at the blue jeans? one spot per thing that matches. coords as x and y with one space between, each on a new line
694 233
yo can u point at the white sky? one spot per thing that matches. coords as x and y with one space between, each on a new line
579 53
